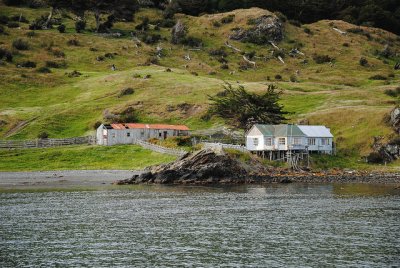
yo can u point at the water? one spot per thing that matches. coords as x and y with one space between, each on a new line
248 226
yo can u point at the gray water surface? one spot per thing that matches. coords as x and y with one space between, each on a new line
244 226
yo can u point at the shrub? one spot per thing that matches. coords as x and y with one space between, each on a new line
216 24
150 38
110 55
126 91
346 45
151 60
375 158
61 28
280 16
293 78
19 18
54 64
278 77
20 44
192 41
2 30
218 52
31 34
194 73
295 23
144 26
363 62
73 42
80 26
100 58
228 19
393 92
320 59
4 19
224 66
5 54
378 77
166 23
43 135
308 31
97 124
27 64
13 24
58 53
44 69
74 73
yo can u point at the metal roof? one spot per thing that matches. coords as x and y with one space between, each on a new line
316 131
280 130
149 126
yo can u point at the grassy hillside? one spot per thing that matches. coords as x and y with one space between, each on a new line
341 96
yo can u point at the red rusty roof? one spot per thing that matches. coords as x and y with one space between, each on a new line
148 126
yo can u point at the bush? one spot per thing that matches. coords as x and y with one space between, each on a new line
278 77
228 19
2 30
320 59
80 26
346 45
58 53
97 124
4 19
27 64
151 60
126 91
378 77
393 92
61 28
224 66
20 44
363 62
100 58
110 55
280 16
144 26
73 42
54 64
74 73
44 70
13 24
43 135
166 23
19 19
5 54
216 24
308 31
150 38
293 78
295 23
192 41
31 34
375 158
218 52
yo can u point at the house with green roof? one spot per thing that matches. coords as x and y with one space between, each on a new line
295 138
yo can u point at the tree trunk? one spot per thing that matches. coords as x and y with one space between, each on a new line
46 24
97 17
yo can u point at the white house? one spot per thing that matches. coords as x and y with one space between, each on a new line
284 138
128 133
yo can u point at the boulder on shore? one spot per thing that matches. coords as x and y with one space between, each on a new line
206 166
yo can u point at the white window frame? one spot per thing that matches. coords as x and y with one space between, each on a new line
128 134
255 141
296 141
325 141
268 141
311 141
280 141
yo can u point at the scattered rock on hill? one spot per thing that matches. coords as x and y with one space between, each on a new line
395 119
266 28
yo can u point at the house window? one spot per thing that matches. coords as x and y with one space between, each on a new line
268 141
325 141
282 141
255 141
128 134
159 135
296 141
142 133
311 141
113 135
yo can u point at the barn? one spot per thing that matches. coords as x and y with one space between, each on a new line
280 139
111 134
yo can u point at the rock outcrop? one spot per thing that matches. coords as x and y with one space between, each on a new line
395 119
202 167
267 28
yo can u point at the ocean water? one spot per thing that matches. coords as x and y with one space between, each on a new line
295 225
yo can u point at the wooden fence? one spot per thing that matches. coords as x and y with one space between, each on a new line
45 143
160 149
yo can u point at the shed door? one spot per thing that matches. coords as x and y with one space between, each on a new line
165 134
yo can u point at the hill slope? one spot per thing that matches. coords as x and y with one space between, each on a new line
340 95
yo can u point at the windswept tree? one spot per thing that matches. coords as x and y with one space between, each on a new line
242 109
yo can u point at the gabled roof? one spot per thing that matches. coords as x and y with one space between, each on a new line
316 131
280 130
149 126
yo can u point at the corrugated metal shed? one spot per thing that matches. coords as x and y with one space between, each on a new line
149 126
316 131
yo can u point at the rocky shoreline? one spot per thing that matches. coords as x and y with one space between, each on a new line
207 167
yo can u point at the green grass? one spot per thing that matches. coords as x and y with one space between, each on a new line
340 96
130 157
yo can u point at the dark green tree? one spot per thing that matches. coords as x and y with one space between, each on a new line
242 109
